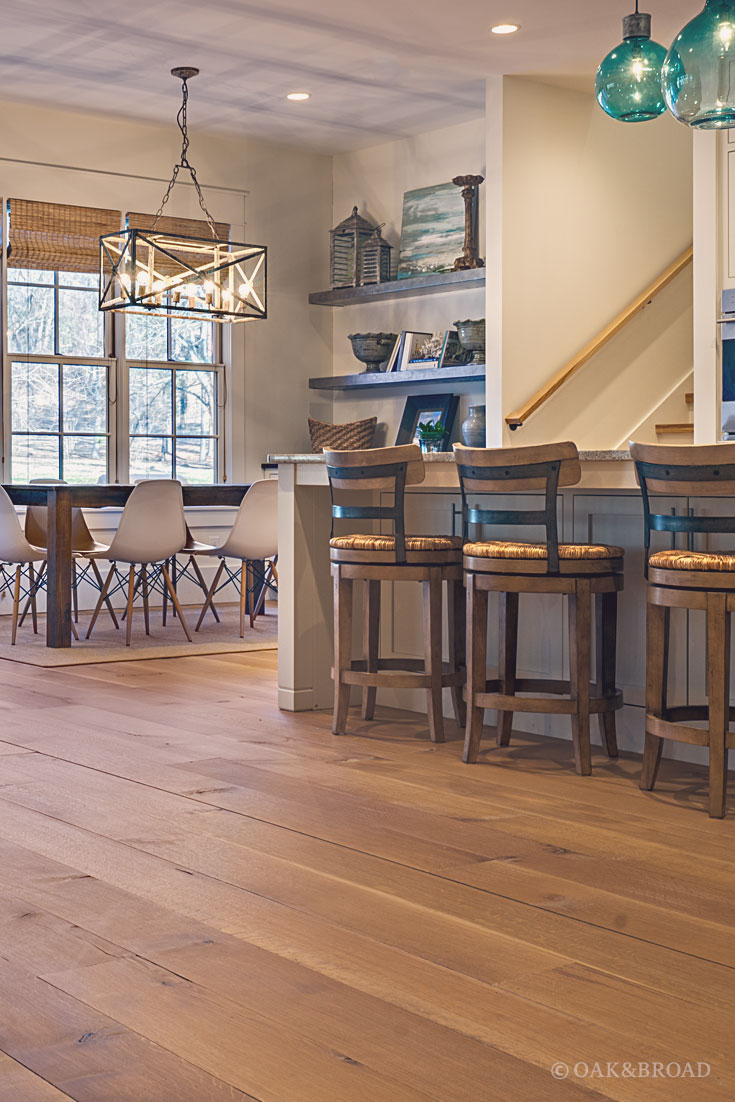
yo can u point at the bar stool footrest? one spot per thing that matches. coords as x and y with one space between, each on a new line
399 673
493 697
672 725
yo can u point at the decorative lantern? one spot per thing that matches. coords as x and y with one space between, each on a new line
348 239
375 259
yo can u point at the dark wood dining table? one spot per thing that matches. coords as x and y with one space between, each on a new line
60 500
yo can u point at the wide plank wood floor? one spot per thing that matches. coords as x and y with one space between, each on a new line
203 898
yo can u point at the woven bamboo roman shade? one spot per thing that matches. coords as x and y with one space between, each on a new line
188 227
57 236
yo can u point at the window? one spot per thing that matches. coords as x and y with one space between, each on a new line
172 398
58 402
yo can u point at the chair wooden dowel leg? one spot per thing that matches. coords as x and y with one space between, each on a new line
100 602
432 601
507 659
244 579
164 604
108 602
342 648
202 584
580 607
457 617
718 670
210 594
657 663
175 602
32 596
370 643
606 621
146 610
476 665
16 602
75 591
129 608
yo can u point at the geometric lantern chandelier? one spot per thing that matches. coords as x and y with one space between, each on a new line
154 269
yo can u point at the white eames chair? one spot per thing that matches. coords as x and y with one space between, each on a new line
151 531
253 538
16 551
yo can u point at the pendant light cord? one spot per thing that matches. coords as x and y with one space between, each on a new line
184 163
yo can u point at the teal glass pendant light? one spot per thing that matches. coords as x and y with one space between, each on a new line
628 81
699 71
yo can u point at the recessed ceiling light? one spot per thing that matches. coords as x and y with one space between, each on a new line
298 96
505 28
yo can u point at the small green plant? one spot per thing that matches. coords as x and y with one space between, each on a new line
431 428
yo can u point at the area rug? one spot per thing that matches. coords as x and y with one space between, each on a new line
108 645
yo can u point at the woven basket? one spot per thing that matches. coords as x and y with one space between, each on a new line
356 434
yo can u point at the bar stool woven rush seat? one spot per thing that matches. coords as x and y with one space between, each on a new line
373 559
577 571
702 580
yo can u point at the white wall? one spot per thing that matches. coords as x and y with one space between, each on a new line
273 195
593 210
375 179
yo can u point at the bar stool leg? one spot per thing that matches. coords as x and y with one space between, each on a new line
718 666
476 665
342 648
507 658
606 626
657 676
370 638
580 606
457 616
432 594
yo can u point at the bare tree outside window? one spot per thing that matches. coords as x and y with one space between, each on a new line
172 398
59 410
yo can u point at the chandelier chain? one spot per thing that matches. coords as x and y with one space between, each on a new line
184 163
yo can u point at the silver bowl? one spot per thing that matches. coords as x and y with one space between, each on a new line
472 337
372 348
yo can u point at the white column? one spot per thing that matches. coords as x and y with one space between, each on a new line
706 227
494 261
304 591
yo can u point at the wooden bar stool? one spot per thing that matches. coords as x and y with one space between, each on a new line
577 571
688 579
373 559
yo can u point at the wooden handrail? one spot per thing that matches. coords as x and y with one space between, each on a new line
519 416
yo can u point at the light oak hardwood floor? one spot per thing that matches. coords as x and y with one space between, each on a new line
203 898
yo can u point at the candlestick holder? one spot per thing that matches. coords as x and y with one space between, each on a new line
469 258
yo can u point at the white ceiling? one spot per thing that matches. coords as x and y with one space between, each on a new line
377 69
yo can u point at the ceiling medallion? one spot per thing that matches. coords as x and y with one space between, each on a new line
177 274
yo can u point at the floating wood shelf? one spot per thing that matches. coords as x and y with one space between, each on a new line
430 284
420 376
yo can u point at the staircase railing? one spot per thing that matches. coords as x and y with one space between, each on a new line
519 416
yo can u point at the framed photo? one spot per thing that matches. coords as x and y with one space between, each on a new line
421 408
453 354
432 230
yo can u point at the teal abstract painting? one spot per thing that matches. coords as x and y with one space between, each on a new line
432 230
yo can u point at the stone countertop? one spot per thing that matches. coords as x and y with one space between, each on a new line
603 456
